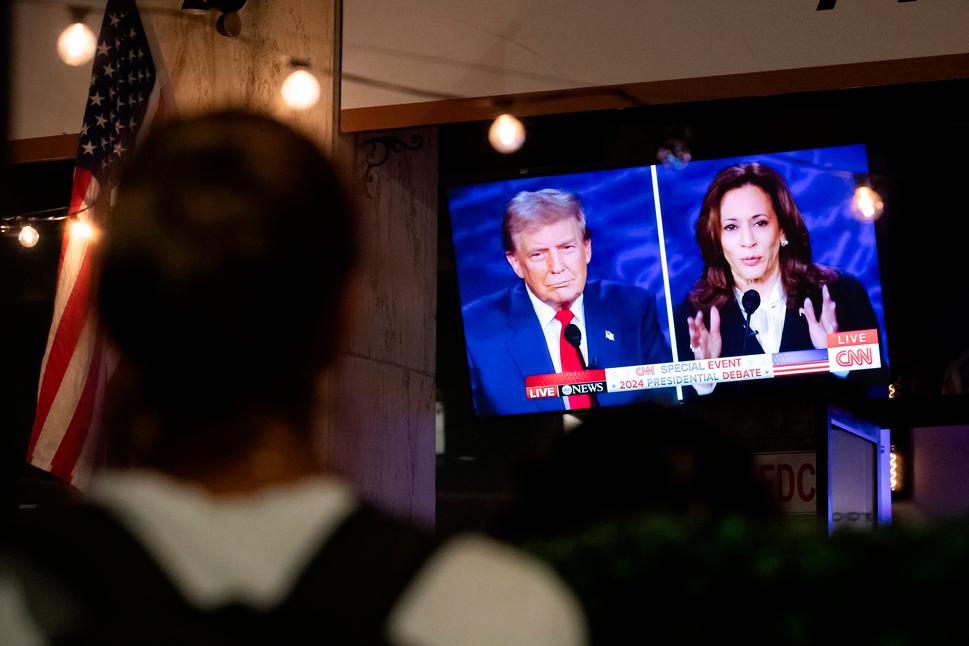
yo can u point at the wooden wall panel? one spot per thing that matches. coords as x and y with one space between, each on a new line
385 439
208 71
399 228
383 431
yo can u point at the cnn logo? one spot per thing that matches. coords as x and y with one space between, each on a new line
849 358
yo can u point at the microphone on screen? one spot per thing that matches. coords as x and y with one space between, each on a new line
574 336
750 301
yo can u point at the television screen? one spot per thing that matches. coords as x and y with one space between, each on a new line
661 282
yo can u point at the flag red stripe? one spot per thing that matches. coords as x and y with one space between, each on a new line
70 448
62 348
82 178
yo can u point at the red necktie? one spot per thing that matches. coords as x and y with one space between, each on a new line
570 359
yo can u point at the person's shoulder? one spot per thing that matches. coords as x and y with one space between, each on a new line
51 570
845 283
492 302
684 309
474 590
18 625
845 279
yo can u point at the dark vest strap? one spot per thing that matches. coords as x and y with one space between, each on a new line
348 590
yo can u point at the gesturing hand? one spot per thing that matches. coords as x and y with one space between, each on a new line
706 344
828 323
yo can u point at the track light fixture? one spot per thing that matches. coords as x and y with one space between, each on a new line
228 23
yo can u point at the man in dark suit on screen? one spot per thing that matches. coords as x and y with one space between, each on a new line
522 330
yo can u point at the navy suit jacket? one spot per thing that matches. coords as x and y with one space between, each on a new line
506 344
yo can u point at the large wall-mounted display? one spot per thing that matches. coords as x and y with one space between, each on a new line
616 285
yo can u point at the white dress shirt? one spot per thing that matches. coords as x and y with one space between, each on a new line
767 322
553 329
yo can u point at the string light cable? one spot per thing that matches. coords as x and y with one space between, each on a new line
24 225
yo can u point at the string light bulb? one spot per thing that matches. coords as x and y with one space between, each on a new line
301 89
28 236
895 469
866 204
76 44
507 134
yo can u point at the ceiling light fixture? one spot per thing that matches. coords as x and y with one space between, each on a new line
506 134
228 23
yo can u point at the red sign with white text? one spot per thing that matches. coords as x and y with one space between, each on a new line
857 337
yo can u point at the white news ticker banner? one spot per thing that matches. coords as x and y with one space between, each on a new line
855 350
846 351
689 373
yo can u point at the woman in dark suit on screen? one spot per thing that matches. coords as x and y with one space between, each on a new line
752 237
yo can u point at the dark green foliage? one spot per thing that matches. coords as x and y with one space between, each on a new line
656 578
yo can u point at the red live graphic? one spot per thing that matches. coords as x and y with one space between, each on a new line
556 384
858 337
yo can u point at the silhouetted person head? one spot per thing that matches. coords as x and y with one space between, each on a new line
223 281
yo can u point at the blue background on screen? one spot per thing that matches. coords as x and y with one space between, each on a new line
625 245
822 183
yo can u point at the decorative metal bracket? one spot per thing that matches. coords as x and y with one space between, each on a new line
379 152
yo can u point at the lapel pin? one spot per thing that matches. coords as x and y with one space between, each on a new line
610 335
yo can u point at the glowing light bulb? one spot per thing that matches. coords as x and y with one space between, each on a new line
28 236
895 470
301 90
76 44
866 204
507 134
82 230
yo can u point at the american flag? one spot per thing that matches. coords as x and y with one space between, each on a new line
124 96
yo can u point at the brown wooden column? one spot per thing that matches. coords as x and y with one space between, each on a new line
382 434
